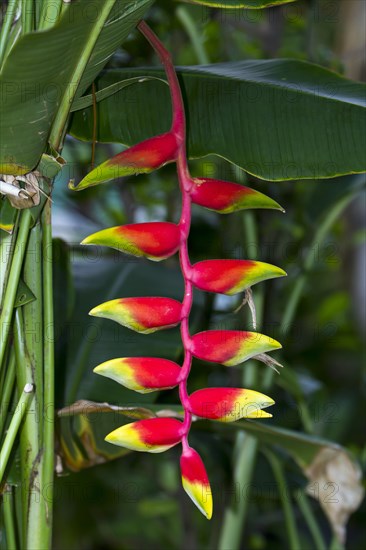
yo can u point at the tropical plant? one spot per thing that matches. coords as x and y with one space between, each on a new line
289 120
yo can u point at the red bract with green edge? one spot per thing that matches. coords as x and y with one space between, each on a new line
232 276
226 197
195 481
141 374
141 314
228 404
231 347
152 240
153 435
157 241
139 159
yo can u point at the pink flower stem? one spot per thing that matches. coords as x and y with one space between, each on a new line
185 182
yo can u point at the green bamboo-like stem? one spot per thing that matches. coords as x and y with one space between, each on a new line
19 413
67 99
6 26
49 368
50 13
6 392
27 16
13 281
290 523
196 38
307 511
295 296
246 445
234 518
9 520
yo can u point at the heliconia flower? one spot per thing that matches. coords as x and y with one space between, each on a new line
143 315
230 347
153 435
228 404
232 276
142 374
195 481
144 157
225 197
153 240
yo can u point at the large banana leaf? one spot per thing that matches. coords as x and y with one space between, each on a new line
251 4
42 65
278 119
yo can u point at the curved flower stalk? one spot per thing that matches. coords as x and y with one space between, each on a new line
157 241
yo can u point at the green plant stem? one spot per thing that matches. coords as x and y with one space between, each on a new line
50 14
294 300
277 469
6 392
233 523
196 38
245 445
27 16
13 281
49 367
68 97
6 26
16 420
306 509
9 524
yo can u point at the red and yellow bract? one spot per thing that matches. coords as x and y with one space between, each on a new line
153 435
141 374
153 240
230 347
143 315
195 481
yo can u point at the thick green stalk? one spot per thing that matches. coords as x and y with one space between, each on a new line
18 415
64 109
245 445
50 13
6 392
9 520
27 16
49 367
6 26
307 511
196 38
13 280
234 518
290 523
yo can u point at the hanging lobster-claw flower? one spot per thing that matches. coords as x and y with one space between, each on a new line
232 276
195 481
153 240
228 404
231 347
225 197
142 158
142 374
143 315
153 435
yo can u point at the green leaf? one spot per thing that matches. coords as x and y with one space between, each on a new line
40 68
278 119
250 4
86 101
24 295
